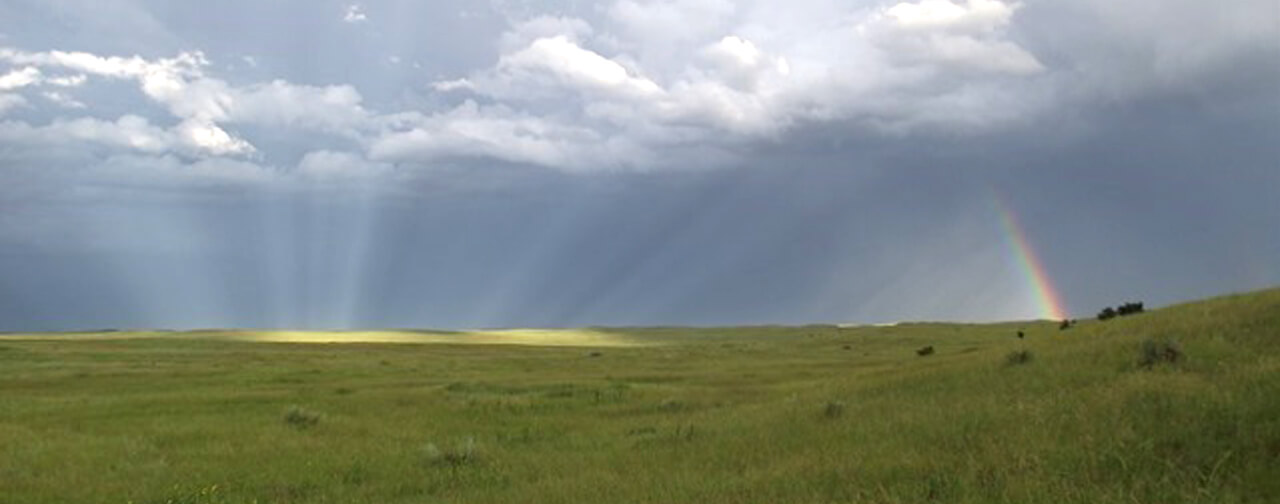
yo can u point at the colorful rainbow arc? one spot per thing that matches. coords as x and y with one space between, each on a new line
1049 302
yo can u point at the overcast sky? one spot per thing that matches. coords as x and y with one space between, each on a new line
328 164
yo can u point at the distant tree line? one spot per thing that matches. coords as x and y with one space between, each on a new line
1120 311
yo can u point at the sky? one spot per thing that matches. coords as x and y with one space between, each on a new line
559 163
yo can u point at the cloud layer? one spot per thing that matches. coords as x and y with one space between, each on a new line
670 84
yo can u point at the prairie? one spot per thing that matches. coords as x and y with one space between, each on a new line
809 414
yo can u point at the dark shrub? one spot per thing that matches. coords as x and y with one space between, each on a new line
925 351
1107 313
1130 308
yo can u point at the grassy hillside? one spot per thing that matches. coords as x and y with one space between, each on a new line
781 415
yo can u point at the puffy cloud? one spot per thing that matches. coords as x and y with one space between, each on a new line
68 81
665 74
526 32
330 109
19 78
966 36
178 83
355 14
972 15
129 133
741 64
638 83
569 65
207 137
660 32
203 105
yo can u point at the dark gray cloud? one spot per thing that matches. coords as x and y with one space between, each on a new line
391 164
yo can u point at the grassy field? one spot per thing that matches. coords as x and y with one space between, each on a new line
735 415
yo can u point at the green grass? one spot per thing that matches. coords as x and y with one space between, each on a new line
734 415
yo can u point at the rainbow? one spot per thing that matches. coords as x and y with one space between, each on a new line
1047 299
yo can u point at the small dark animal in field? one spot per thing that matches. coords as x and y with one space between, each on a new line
848 347
1066 324
1020 335
925 351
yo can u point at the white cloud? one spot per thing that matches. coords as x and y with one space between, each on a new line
570 65
972 15
524 33
471 131
130 133
63 100
207 137
661 74
636 83
68 81
19 78
355 14
203 105
330 109
741 64
660 32
966 37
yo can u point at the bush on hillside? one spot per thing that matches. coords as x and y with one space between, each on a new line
1130 308
1126 309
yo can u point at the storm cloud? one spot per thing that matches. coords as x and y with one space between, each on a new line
556 163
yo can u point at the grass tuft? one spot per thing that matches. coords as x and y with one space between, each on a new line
1017 357
459 454
301 418
1152 352
833 410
